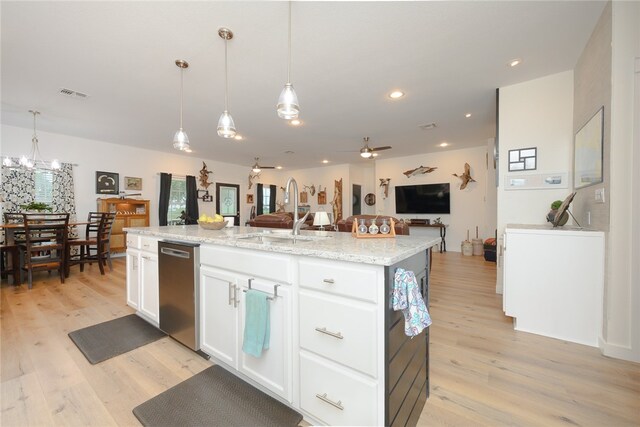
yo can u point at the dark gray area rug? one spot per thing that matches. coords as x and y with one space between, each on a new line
215 397
109 339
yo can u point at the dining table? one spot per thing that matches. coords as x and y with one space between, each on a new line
11 228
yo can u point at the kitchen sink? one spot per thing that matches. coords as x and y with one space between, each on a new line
279 237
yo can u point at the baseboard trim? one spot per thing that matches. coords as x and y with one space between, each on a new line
618 351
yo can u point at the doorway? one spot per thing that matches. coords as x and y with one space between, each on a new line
228 201
356 202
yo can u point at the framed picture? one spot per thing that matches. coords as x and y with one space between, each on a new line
524 159
107 183
322 197
303 197
131 183
587 155
250 199
370 199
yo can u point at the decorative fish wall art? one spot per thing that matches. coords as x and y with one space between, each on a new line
418 171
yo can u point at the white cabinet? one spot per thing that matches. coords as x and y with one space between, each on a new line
222 308
341 353
142 278
149 287
553 282
133 278
219 315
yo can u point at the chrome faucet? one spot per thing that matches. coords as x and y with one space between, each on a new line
297 223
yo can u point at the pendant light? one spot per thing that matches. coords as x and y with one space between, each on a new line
35 159
288 107
226 127
180 139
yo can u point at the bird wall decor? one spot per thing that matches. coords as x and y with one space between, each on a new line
465 177
204 176
418 171
253 177
384 183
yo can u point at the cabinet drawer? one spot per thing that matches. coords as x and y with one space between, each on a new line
341 330
149 244
336 396
133 241
338 278
245 261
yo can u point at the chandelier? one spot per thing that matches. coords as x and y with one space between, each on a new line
34 160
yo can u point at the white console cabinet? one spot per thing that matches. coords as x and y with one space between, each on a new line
553 281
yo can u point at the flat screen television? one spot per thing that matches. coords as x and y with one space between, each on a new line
423 199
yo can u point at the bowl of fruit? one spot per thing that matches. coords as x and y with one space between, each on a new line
212 222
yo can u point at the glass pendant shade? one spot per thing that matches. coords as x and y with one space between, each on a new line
226 127
366 154
181 140
55 164
288 107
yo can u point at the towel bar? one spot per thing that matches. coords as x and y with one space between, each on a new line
275 289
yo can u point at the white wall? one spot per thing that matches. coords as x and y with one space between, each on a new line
622 294
468 206
537 113
92 156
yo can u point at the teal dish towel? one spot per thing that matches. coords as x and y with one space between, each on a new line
257 323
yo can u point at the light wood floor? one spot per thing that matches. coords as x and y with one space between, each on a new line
482 372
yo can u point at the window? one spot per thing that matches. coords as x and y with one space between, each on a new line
44 186
266 199
177 200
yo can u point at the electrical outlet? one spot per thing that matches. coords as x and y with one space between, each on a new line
599 195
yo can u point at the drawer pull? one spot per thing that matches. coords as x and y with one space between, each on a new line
329 281
333 334
324 398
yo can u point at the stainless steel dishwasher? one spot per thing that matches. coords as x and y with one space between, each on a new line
178 265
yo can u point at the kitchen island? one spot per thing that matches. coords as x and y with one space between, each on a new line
337 352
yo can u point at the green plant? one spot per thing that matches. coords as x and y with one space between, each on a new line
556 204
36 206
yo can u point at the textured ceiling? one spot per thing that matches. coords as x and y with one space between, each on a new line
449 57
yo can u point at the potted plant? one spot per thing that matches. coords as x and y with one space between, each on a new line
36 207
554 210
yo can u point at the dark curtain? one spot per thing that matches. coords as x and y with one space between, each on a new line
259 195
272 199
192 201
165 193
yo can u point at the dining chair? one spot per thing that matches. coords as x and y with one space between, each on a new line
45 244
10 260
95 246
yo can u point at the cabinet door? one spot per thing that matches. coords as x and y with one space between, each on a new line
273 368
219 315
133 278
149 301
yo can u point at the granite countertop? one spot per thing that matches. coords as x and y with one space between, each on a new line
320 244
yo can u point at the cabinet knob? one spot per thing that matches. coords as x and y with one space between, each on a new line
329 281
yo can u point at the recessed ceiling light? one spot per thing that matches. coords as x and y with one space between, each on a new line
325 161
467 115
238 137
396 94
295 122
278 167
515 62
444 144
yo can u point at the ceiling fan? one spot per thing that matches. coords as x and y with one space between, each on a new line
257 167
369 152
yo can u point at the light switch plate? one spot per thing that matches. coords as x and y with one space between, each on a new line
599 195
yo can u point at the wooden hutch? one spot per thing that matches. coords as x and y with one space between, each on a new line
129 213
